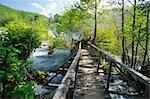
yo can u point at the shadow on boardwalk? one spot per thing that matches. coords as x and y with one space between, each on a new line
89 84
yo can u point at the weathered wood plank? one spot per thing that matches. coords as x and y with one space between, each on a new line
53 85
89 84
63 88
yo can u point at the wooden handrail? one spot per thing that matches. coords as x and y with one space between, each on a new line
66 60
63 88
145 80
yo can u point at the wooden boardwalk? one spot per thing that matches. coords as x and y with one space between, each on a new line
89 84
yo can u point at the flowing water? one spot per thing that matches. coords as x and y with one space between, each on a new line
44 62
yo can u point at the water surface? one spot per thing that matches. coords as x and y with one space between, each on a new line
44 62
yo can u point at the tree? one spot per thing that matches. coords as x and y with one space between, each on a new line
147 34
123 38
73 20
95 28
133 31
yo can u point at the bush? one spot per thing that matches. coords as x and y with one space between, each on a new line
17 42
22 37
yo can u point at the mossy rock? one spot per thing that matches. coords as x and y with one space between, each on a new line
40 75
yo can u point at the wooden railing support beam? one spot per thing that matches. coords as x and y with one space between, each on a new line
99 61
109 75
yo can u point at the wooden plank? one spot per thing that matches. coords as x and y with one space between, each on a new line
53 85
145 80
63 88
124 93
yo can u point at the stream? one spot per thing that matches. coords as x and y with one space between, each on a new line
48 63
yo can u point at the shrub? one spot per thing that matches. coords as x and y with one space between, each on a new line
18 40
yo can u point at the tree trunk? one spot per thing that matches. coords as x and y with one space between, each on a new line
123 38
137 45
147 36
95 29
133 28
127 54
3 86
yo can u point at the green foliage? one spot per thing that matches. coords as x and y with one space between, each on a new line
6 15
13 74
35 21
108 37
23 91
73 20
18 41
76 19
59 42
21 37
20 33
107 41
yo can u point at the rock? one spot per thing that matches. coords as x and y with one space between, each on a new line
131 89
39 90
50 75
57 79
118 82
50 52
121 88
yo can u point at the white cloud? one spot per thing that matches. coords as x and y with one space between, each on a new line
45 10
38 6
53 7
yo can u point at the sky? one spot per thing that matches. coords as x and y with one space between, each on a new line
45 7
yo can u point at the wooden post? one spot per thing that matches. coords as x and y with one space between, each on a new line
71 90
105 58
109 75
99 61
102 58
92 52
146 92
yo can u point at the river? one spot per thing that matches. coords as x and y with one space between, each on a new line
42 61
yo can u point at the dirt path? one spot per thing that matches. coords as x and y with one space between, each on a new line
89 85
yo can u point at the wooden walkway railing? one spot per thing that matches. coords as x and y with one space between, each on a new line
123 68
69 78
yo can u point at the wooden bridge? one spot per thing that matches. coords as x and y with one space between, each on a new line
82 79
